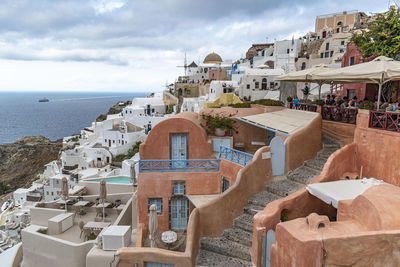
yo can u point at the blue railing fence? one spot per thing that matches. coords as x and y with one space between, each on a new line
236 156
189 165
182 165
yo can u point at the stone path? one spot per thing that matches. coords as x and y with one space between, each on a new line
232 248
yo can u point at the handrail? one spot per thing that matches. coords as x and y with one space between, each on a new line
303 106
389 121
236 156
338 114
181 165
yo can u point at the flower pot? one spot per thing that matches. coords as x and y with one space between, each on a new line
219 132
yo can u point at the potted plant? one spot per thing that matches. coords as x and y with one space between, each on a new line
218 125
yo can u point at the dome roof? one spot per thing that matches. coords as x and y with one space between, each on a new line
213 58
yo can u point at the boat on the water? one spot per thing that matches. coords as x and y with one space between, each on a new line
44 100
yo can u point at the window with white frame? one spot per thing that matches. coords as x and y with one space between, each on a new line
178 188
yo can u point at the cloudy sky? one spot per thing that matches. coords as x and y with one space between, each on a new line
130 45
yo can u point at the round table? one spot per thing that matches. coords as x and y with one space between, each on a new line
169 237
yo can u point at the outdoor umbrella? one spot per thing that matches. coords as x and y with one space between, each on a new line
64 190
103 194
379 71
307 75
153 224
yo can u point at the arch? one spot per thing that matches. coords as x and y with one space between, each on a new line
264 84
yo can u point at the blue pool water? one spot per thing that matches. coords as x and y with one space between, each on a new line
114 180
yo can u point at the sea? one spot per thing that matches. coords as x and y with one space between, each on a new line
67 113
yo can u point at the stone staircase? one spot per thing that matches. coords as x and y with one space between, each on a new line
232 248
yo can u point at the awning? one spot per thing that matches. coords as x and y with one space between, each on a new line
333 192
285 122
198 200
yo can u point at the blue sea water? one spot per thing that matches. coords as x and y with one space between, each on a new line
65 114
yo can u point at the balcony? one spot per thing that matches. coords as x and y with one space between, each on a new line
184 165
191 165
337 114
389 121
304 107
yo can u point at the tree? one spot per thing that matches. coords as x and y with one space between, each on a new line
382 38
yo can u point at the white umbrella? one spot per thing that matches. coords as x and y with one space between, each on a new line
103 194
307 75
379 71
64 190
153 224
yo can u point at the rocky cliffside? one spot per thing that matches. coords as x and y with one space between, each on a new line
23 161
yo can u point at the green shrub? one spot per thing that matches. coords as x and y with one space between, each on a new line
91 236
319 102
289 99
284 217
240 105
366 105
130 154
40 205
268 102
42 231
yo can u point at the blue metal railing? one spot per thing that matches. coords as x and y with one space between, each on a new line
184 165
236 156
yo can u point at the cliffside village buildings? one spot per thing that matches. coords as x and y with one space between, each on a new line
218 182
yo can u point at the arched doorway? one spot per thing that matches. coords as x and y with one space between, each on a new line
264 84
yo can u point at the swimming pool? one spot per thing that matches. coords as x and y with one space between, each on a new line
113 180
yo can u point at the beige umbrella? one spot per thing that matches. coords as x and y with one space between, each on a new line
307 75
379 71
64 190
153 224
103 194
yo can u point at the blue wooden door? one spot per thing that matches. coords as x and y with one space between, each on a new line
179 213
278 150
178 150
267 243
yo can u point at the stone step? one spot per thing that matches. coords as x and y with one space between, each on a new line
316 163
327 152
329 142
303 174
244 222
209 258
252 209
239 236
225 247
284 187
263 198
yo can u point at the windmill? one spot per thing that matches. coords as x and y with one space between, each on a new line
185 66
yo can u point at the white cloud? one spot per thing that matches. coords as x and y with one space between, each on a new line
136 45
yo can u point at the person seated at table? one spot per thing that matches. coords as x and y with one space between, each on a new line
345 103
339 101
296 102
333 100
328 100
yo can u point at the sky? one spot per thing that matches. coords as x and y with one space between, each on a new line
136 46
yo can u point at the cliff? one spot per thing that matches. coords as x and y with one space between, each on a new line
22 161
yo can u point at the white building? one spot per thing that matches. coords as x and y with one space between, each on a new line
221 87
255 83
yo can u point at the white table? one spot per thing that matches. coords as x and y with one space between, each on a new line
106 205
81 203
169 237
96 225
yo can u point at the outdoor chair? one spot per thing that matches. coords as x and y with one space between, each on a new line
81 224
117 202
87 233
